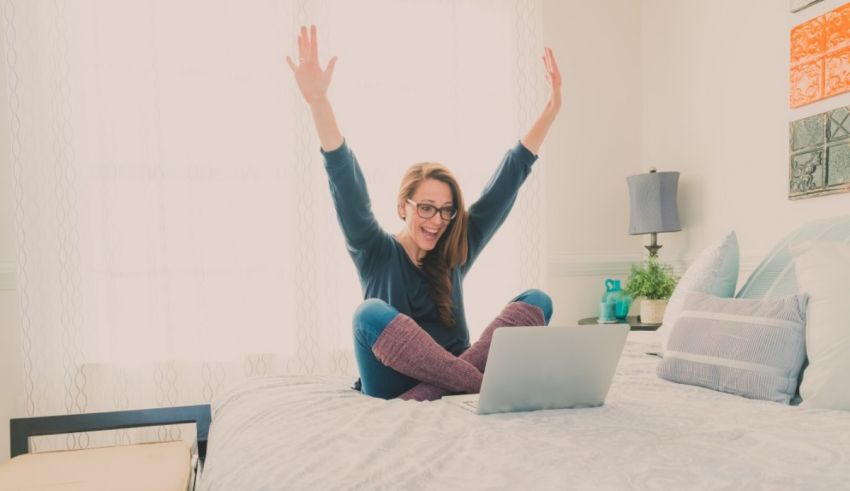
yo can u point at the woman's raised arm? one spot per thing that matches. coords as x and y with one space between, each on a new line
313 83
533 140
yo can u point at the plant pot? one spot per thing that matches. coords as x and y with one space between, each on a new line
652 311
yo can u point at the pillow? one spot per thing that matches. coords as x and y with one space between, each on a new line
823 271
775 275
752 348
714 271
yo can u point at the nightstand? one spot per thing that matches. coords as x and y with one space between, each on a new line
634 323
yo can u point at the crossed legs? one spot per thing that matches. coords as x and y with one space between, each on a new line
394 354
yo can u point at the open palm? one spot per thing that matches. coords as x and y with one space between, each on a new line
312 80
553 77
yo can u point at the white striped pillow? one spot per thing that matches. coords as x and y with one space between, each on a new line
752 348
823 268
714 271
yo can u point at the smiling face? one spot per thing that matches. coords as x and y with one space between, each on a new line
421 235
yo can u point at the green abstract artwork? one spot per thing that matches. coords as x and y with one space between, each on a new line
820 154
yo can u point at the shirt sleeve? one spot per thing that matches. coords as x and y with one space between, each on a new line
488 213
364 237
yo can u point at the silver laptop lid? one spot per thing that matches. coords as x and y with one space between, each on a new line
530 368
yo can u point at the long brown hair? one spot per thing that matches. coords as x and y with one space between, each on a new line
451 251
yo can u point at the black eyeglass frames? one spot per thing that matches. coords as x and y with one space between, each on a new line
427 210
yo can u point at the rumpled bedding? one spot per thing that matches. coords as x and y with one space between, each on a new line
309 432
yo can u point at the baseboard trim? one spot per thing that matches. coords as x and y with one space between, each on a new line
575 265
572 265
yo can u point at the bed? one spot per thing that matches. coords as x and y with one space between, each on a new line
314 432
310 432
307 432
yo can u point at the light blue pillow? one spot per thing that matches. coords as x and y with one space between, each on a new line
752 348
775 275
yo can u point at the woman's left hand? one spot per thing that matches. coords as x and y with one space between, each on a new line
553 78
533 140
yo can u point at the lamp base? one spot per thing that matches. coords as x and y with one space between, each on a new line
653 250
653 245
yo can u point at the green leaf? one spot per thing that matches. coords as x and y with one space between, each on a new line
651 280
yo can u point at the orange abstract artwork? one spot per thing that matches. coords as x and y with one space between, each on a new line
820 57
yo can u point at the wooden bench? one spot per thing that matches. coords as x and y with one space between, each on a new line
162 466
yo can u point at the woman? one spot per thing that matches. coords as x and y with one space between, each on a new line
411 338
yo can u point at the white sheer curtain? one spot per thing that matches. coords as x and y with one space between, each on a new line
175 230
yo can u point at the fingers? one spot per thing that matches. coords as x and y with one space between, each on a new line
314 44
547 65
553 73
291 65
302 45
308 48
554 63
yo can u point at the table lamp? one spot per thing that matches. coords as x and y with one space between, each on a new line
652 198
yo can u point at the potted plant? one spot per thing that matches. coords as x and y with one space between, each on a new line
654 282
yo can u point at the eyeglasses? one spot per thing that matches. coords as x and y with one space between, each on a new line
426 210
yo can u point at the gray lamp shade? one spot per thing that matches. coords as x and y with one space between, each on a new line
652 199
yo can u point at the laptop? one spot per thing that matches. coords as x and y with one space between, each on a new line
532 368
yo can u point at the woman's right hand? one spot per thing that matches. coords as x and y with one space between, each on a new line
312 80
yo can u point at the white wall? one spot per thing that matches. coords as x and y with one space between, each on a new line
715 78
593 146
697 86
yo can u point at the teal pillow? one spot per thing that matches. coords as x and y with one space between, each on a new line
775 276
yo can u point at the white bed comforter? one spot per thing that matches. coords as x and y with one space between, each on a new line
304 432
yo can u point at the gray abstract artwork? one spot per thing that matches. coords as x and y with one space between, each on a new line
820 154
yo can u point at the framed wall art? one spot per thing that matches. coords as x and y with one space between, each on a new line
820 154
820 57
798 5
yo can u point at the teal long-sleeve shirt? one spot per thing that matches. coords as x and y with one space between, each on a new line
386 271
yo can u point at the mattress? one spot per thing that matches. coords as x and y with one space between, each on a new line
309 432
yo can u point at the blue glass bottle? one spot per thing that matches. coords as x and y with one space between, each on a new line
615 295
608 305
